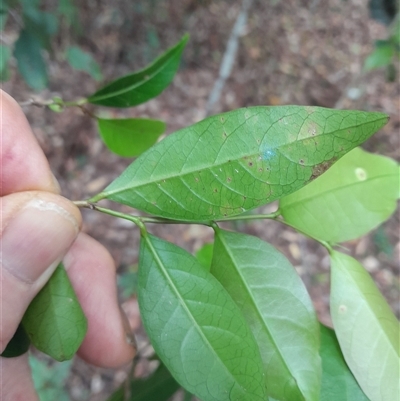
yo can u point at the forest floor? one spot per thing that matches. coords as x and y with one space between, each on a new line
291 52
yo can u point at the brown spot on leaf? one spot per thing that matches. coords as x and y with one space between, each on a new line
321 168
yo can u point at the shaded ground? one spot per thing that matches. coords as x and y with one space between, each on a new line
292 52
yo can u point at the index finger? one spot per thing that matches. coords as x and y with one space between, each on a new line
23 165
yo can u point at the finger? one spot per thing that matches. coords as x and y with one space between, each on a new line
16 380
109 341
23 165
37 230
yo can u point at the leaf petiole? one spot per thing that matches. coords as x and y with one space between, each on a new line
275 216
134 219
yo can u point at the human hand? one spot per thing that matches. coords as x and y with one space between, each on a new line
39 228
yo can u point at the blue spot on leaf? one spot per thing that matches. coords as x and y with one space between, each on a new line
268 154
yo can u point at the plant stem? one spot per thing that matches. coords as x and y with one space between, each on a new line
87 112
78 103
134 219
36 102
56 101
140 221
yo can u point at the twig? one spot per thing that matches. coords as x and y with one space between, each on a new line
36 102
229 57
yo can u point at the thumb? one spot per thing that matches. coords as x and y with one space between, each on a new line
37 229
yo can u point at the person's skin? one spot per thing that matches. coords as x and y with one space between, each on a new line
39 228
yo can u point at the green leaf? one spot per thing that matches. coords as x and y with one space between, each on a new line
367 330
195 327
204 255
398 183
160 386
54 320
18 345
237 161
30 61
129 137
356 195
48 380
3 15
143 85
68 9
5 54
381 56
127 282
83 61
338 383
278 309
42 25
26 4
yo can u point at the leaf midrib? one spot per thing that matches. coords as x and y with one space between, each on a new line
138 84
259 313
336 189
153 181
369 309
189 314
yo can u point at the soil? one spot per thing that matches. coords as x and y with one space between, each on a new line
291 52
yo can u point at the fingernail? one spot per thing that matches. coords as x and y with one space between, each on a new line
36 239
56 185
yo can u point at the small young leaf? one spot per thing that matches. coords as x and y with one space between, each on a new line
127 282
129 137
18 345
160 386
5 54
357 194
3 15
68 9
49 380
30 61
54 320
236 161
26 4
367 330
195 327
83 61
42 25
278 309
381 56
338 383
143 85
